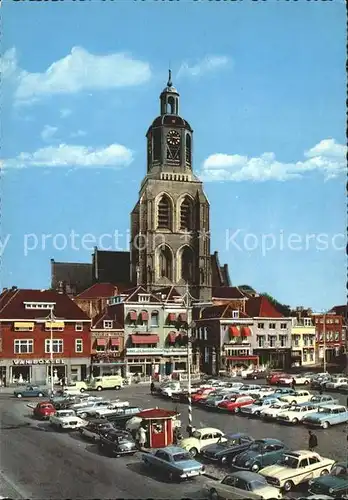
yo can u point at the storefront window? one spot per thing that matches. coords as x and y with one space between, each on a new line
20 374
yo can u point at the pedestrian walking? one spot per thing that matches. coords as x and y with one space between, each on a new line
293 384
152 387
312 441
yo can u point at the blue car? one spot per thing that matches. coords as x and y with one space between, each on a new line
326 416
30 391
174 462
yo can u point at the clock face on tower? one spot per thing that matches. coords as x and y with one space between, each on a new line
173 138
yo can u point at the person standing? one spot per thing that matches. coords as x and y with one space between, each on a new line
312 441
152 388
293 384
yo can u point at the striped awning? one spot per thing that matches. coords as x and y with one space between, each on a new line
246 332
133 315
101 342
172 336
54 324
234 331
25 325
114 341
145 339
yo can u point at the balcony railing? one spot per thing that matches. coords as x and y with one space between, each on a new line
159 351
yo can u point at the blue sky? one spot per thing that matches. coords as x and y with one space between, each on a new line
263 86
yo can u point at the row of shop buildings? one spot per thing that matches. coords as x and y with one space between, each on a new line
106 330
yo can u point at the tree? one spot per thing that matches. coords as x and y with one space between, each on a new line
282 308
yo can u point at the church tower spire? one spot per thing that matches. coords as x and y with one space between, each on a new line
169 98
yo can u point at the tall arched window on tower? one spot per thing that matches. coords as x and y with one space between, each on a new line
164 213
186 214
187 264
165 263
188 149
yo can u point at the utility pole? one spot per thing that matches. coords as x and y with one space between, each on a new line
324 337
51 318
189 356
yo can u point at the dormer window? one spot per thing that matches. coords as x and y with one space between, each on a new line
235 314
307 322
107 324
78 327
144 297
39 305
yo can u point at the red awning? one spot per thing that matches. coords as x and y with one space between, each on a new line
114 341
183 317
101 342
144 315
238 358
234 332
172 336
133 315
246 332
145 339
171 317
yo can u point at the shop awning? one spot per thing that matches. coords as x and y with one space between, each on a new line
101 342
115 341
54 324
24 325
171 317
183 317
145 339
240 358
133 315
172 337
234 331
246 332
144 315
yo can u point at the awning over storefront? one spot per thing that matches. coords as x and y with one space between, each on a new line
115 341
144 315
183 317
101 342
241 358
145 339
246 332
171 317
172 337
54 324
19 325
234 331
132 315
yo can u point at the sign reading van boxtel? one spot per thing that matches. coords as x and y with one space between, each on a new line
37 361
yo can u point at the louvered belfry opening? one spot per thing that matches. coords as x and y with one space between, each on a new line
166 263
186 215
164 213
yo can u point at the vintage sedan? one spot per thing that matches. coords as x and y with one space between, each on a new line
95 428
296 467
254 410
283 391
226 448
297 379
297 397
255 375
296 413
241 484
30 391
201 394
121 416
327 416
174 462
200 438
112 408
213 400
323 399
117 443
334 484
66 420
250 389
43 411
235 402
92 408
266 391
335 383
261 453
274 410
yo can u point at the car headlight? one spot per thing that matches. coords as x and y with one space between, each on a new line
310 482
234 459
247 463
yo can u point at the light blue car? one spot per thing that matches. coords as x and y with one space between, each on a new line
256 408
326 416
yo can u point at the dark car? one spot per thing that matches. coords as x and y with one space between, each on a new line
256 375
116 443
96 428
334 484
260 454
223 451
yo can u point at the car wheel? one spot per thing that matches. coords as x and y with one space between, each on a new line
324 472
255 378
84 415
295 420
99 388
257 414
326 425
236 410
255 468
82 389
117 388
40 395
306 382
288 485
193 452
294 402
213 495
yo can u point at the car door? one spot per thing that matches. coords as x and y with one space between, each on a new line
304 471
241 488
161 461
271 453
226 489
206 440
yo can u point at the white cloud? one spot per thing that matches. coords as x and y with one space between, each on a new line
66 155
65 112
327 157
76 72
206 65
79 133
48 132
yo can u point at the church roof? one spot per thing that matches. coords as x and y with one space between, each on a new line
171 120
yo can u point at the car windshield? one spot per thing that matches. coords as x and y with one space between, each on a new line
324 410
296 408
256 446
66 414
339 470
196 435
181 457
276 406
259 483
258 403
289 461
315 399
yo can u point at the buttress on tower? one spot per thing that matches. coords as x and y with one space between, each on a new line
170 241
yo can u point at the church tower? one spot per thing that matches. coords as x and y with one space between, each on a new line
170 242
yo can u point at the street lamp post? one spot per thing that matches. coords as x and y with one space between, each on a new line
51 317
324 345
189 355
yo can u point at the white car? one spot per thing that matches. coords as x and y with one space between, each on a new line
201 438
255 408
296 467
92 408
83 403
297 397
109 410
266 391
67 420
336 382
249 389
170 388
234 386
296 413
241 484
299 380
272 411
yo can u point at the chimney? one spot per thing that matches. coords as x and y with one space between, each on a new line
14 288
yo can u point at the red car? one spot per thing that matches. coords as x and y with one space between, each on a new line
235 403
275 378
44 410
201 394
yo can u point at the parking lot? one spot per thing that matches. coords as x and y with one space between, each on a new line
41 463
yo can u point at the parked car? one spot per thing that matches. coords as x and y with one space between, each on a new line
327 416
319 382
30 391
95 428
296 413
261 453
81 402
275 377
226 448
296 467
43 411
256 407
66 420
91 409
266 391
272 411
324 399
104 411
235 403
335 383
255 375
297 397
200 438
117 443
174 462
298 379
213 400
235 386
169 389
283 391
106 382
201 394
122 415
241 484
250 389
334 484
343 388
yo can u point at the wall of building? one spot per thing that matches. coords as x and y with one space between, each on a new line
303 342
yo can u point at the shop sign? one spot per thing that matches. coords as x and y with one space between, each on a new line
37 361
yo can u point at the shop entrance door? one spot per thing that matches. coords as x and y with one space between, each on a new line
3 375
